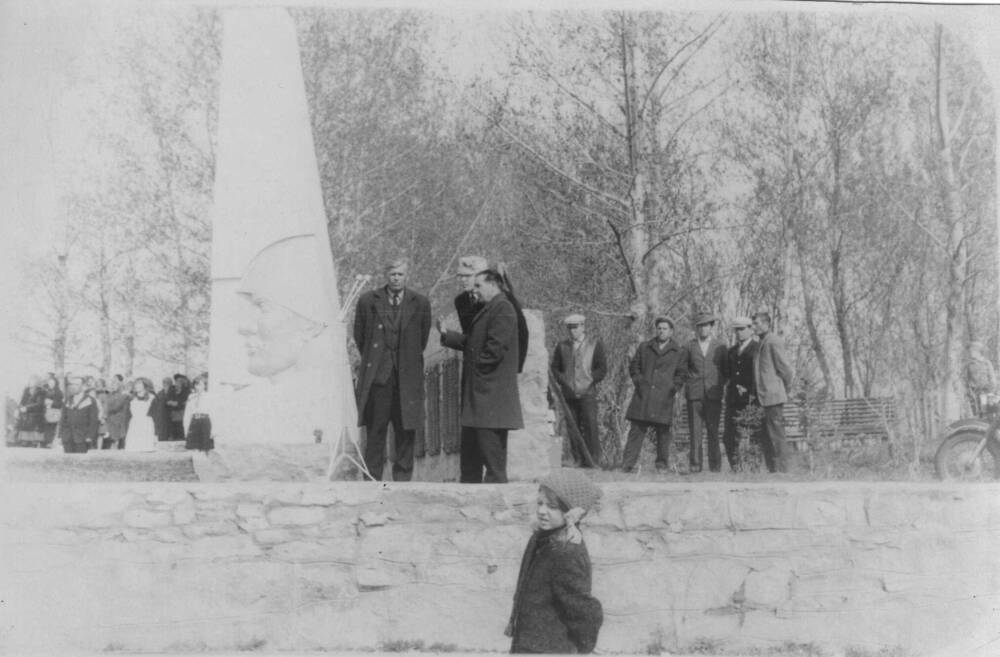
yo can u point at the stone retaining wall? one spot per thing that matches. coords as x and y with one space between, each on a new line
349 566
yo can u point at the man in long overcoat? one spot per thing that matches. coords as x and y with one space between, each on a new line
80 420
391 327
773 378
491 403
740 388
657 372
704 358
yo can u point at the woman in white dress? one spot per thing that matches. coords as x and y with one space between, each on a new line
141 431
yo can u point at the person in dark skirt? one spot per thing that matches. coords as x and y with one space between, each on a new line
196 417
160 413
176 401
31 413
554 611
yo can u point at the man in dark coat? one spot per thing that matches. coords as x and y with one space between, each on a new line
657 372
740 389
772 379
391 327
579 365
491 403
81 418
704 358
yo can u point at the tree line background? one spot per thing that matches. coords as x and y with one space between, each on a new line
834 170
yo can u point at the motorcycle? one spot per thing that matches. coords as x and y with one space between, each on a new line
970 450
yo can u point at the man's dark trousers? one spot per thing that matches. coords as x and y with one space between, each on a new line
704 414
773 445
483 448
584 410
384 407
730 433
637 435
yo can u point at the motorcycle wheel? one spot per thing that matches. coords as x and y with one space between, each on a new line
954 461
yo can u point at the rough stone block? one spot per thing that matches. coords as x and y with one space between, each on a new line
327 584
373 519
708 582
607 514
480 513
495 541
778 543
616 586
696 510
184 514
168 495
296 515
218 547
699 543
613 547
762 508
398 543
249 510
644 512
315 552
167 535
218 528
274 536
892 509
838 589
146 518
373 577
827 511
253 524
768 587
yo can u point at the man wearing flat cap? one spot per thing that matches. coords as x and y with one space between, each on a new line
740 389
579 365
703 360
656 374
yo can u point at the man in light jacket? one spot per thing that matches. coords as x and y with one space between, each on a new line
773 378
579 365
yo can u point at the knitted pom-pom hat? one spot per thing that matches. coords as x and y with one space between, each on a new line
572 487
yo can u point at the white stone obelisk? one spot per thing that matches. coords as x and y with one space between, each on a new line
279 370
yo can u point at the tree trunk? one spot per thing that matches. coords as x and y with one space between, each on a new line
956 247
814 336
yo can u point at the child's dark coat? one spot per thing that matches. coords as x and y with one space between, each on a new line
554 611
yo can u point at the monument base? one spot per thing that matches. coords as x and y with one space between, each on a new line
307 463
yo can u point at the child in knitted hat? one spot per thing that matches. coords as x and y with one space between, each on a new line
553 609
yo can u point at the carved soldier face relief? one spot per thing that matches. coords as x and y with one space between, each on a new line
274 336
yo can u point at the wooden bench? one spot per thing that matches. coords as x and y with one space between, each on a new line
830 421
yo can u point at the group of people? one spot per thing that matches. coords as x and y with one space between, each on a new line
392 325
752 371
133 416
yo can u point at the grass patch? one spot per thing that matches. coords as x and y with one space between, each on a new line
57 467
